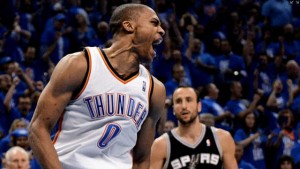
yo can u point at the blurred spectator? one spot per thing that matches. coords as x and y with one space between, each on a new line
291 49
290 78
207 119
24 105
16 158
203 64
53 44
231 68
36 68
163 68
253 140
239 151
295 105
83 34
285 136
267 45
238 106
7 89
169 125
276 101
20 138
103 34
277 13
15 39
285 162
178 79
211 106
5 142
263 75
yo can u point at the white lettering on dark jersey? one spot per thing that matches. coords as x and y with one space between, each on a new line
111 104
202 158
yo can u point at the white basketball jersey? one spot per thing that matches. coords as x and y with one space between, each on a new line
99 128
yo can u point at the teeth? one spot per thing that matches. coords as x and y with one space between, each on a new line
157 42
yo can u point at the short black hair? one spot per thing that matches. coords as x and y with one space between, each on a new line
130 11
187 86
284 158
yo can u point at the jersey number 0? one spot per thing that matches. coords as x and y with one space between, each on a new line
110 132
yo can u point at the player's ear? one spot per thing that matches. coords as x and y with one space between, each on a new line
128 26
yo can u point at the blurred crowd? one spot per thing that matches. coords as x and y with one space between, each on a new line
242 56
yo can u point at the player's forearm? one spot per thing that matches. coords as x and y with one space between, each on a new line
43 148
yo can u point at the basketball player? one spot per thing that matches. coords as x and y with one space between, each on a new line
192 145
106 102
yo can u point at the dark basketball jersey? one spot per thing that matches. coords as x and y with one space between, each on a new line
205 154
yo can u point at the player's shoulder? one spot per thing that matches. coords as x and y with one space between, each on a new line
222 134
158 83
74 57
76 61
161 142
225 139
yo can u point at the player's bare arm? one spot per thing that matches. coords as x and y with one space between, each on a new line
141 152
228 149
158 153
66 78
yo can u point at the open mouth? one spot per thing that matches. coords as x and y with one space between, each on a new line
157 42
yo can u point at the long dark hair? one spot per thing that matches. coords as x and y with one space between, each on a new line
246 128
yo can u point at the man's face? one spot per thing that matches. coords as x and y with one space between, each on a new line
237 89
286 165
148 33
5 82
17 161
213 91
178 73
239 151
24 104
185 105
22 141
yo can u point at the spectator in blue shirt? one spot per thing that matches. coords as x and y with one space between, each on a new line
267 45
285 136
291 45
285 162
203 64
279 12
253 140
239 151
54 38
211 106
6 141
264 75
83 33
178 79
7 89
291 74
24 110
238 106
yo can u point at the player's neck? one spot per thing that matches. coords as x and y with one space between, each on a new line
122 59
191 131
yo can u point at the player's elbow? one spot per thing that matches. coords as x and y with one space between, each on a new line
33 130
